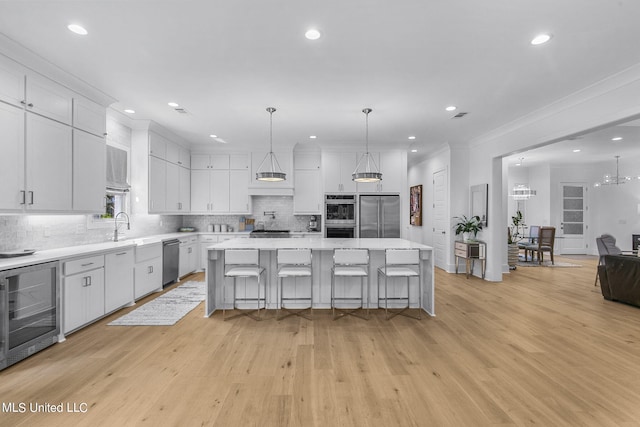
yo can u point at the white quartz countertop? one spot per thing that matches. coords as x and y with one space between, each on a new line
318 244
85 250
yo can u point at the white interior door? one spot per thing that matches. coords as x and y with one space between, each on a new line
573 207
440 223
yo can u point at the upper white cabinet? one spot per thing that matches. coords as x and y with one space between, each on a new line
337 168
48 99
49 165
392 167
12 191
39 158
89 116
307 193
12 82
219 184
89 173
169 176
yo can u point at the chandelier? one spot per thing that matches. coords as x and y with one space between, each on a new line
522 192
370 171
609 179
272 171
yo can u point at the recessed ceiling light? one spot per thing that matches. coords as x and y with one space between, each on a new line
312 137
540 39
129 111
312 34
577 150
451 108
414 151
213 136
412 137
617 138
78 29
173 104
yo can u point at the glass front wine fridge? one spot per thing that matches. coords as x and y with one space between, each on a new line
29 311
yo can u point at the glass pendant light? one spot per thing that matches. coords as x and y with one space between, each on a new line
617 179
370 171
272 171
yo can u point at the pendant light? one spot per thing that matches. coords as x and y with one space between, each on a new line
272 171
617 179
368 173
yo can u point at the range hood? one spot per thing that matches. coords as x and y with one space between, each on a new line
262 191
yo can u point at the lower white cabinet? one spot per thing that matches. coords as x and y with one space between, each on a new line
188 255
118 272
148 270
83 293
206 240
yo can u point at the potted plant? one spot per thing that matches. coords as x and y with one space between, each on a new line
468 227
515 232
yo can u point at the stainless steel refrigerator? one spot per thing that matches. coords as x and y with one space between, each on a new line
379 216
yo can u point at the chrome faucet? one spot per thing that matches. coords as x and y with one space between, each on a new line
115 219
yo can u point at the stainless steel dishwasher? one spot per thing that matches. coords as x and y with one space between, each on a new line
170 261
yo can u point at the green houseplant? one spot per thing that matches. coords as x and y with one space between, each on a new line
515 232
468 227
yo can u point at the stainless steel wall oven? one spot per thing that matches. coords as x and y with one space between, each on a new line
340 216
29 311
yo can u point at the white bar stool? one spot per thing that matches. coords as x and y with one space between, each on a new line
400 263
350 263
295 263
244 263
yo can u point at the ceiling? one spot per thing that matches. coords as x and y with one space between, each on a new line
226 61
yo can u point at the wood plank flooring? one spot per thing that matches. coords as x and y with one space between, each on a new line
542 347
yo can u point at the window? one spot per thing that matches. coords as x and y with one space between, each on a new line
117 191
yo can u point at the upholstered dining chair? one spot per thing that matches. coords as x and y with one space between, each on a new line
545 243
534 230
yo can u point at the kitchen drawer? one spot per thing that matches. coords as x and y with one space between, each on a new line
83 264
147 252
208 239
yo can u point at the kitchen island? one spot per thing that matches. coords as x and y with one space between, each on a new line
219 291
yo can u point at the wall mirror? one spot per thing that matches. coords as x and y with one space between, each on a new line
478 202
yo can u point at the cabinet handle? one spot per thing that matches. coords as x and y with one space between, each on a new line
86 265
89 280
121 253
150 269
23 102
24 197
30 104
31 198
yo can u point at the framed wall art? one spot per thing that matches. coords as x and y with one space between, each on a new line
478 202
415 205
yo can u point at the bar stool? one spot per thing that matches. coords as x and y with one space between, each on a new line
244 263
400 263
350 263
295 263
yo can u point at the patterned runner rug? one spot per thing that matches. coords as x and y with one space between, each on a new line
167 309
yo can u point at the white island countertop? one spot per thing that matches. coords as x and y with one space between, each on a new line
319 244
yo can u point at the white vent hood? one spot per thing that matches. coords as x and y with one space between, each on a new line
278 191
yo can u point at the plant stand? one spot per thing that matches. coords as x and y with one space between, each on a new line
513 253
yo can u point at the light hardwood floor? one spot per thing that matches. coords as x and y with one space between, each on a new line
542 347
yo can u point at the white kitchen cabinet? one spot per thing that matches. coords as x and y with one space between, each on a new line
148 269
337 168
157 146
48 99
307 193
12 191
189 259
206 240
49 165
12 83
184 158
119 276
89 176
184 199
239 199
210 161
83 292
89 116
172 153
390 164
157 185
220 191
172 188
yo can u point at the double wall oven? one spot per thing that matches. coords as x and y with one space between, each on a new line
340 215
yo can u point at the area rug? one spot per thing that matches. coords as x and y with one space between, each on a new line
167 309
547 264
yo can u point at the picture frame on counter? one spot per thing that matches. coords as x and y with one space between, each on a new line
415 205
